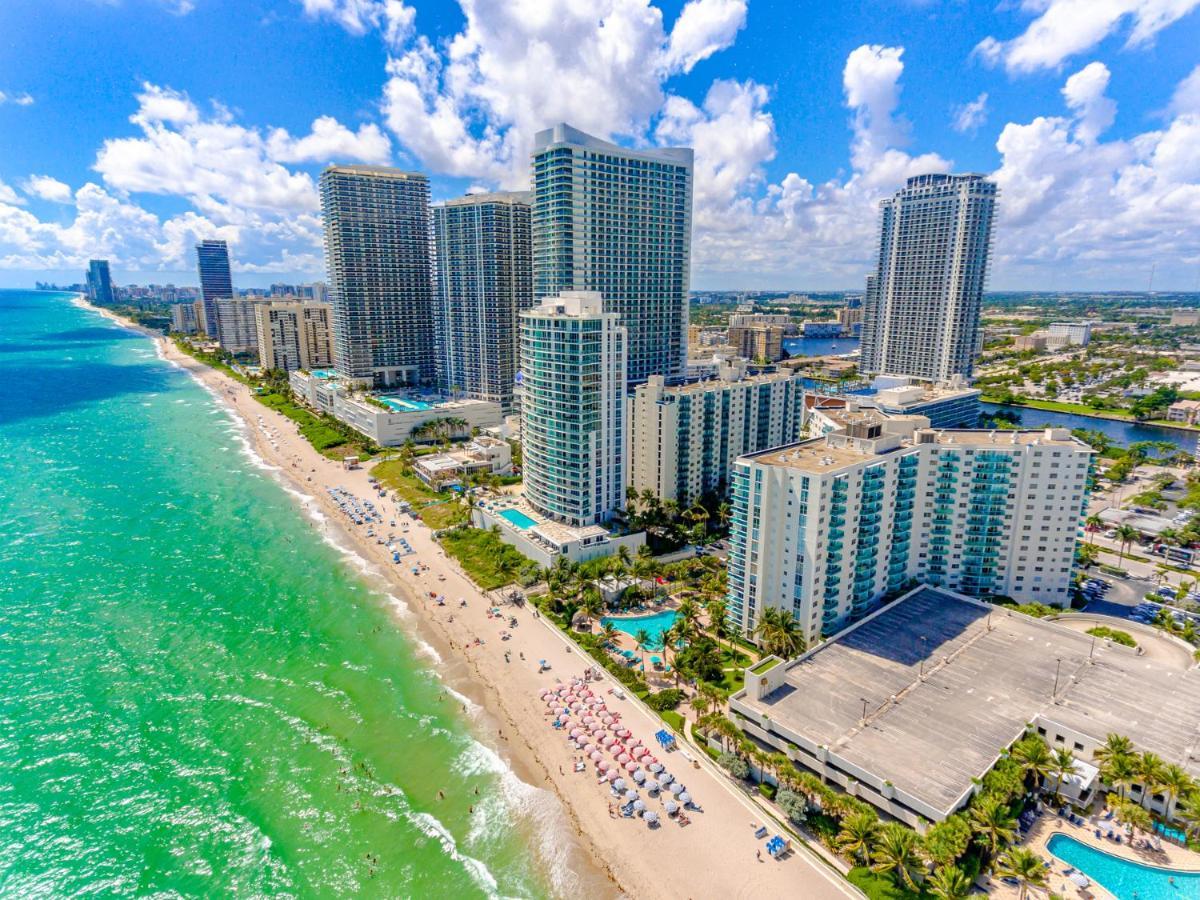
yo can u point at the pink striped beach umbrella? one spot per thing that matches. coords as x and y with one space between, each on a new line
631 767
623 758
595 756
604 765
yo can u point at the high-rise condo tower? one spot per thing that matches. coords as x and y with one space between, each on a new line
377 240
617 221
922 307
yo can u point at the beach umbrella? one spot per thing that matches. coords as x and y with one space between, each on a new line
631 766
651 785
639 776
596 756
589 748
576 732
1080 879
685 798
665 777
631 795
651 817
676 788
604 765
671 807
619 784
656 767
623 758
639 805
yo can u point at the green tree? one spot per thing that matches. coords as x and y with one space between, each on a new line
1126 534
1150 768
778 633
1023 866
1034 758
1114 745
949 883
945 842
1062 764
860 832
642 638
1175 783
896 854
993 824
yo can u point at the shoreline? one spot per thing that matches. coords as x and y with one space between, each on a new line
606 856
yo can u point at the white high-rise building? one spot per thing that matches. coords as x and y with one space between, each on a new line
684 438
922 307
237 327
617 221
573 364
484 282
828 527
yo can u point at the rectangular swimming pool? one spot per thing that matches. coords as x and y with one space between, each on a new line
518 518
406 405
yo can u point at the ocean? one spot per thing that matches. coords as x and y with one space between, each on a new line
201 694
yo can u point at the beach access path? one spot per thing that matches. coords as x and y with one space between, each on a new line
716 856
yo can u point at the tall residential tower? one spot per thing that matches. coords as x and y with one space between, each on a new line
619 222
573 363
212 259
922 308
377 252
484 282
99 283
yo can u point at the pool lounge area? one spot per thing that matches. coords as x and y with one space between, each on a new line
1125 879
405 404
654 625
518 518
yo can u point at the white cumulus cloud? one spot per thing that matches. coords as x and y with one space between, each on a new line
47 188
1065 28
970 116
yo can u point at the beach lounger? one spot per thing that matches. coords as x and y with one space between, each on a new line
761 833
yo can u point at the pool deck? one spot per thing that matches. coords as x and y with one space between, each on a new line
1171 857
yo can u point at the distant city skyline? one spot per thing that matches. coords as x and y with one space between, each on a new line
803 117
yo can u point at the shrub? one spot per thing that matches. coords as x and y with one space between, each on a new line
794 806
767 790
665 699
1118 637
734 765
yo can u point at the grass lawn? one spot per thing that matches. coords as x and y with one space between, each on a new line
409 487
766 666
437 516
490 562
317 432
673 718
880 887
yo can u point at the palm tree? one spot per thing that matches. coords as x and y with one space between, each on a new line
949 883
718 613
643 643
609 632
724 511
688 613
1150 770
1120 772
700 703
896 853
1114 745
1024 866
1062 764
992 823
760 757
1135 817
859 834
1093 523
778 633
1175 782
592 607
1126 534
1034 758
699 516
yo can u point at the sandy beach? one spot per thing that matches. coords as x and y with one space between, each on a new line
716 855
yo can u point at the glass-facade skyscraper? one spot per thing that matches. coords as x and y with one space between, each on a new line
922 307
212 259
617 221
573 367
99 283
377 242
484 282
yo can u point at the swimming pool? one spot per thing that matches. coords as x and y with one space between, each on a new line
406 405
518 518
654 625
1124 878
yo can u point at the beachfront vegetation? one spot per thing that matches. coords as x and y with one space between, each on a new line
1119 637
488 561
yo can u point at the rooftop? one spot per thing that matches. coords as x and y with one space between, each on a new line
948 682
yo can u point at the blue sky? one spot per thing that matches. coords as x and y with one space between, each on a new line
130 128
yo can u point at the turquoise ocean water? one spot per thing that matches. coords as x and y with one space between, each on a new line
199 696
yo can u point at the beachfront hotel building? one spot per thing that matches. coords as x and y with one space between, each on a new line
183 318
212 261
573 418
922 309
377 253
236 325
99 283
684 438
484 282
619 222
828 527
294 335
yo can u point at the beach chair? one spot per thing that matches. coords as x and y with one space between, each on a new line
761 833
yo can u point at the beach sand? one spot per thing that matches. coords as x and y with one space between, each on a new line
713 857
